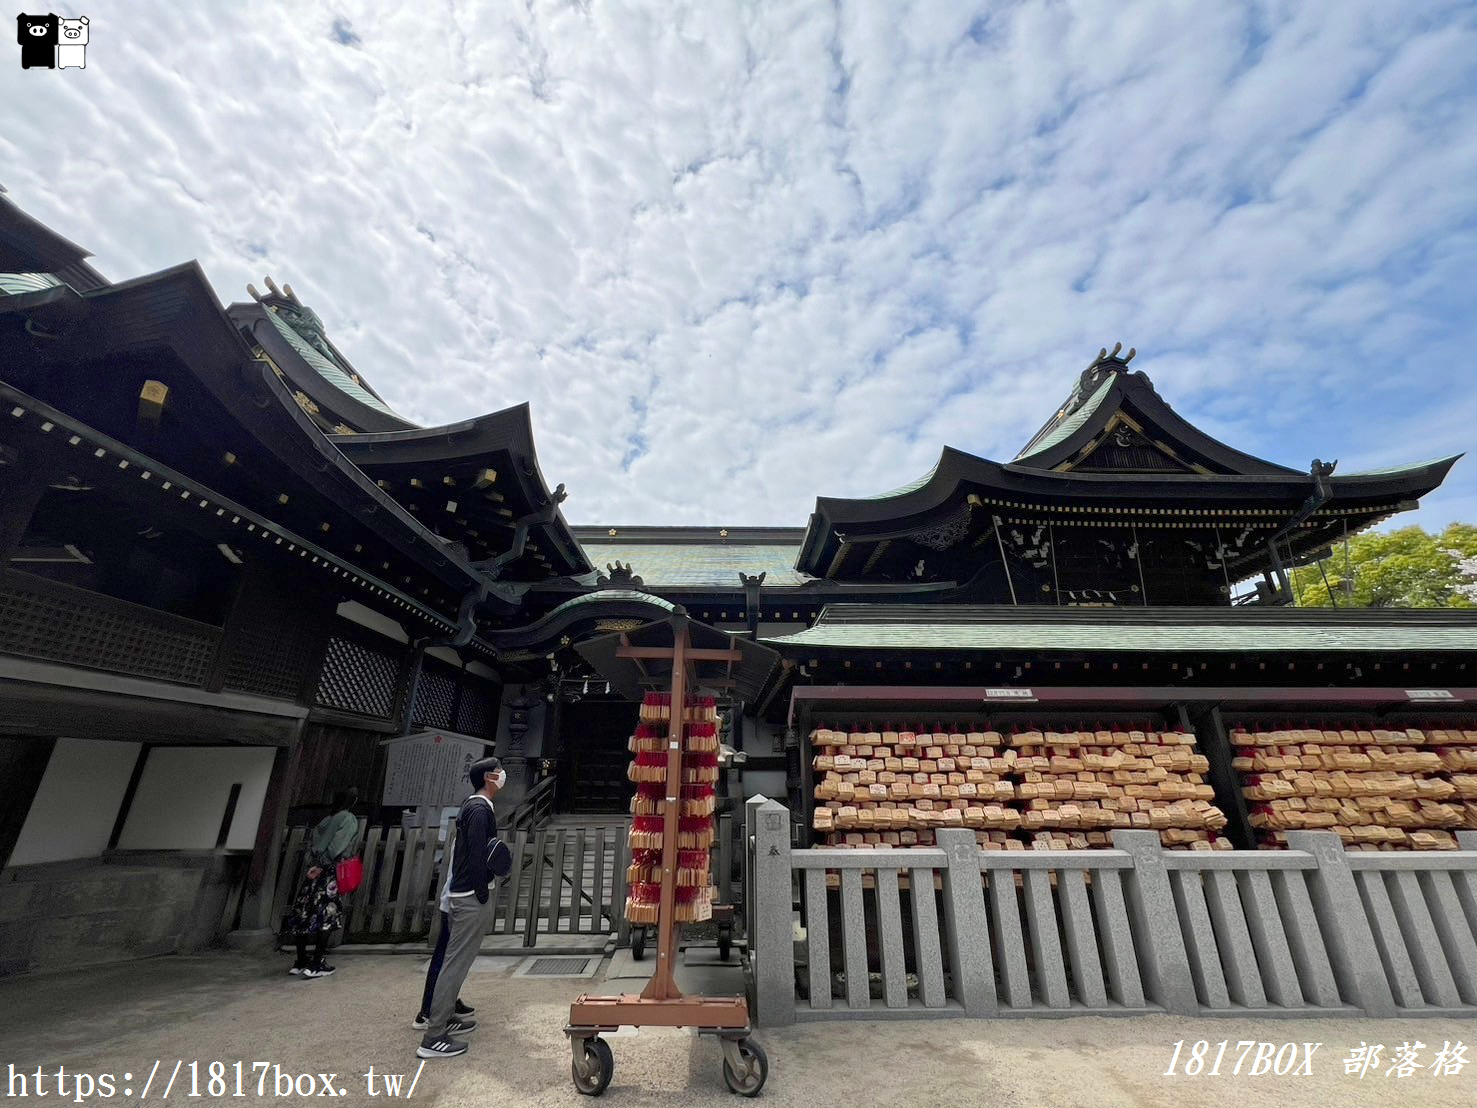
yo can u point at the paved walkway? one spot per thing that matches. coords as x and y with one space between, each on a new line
231 1007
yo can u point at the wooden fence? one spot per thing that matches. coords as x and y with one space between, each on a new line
954 930
567 880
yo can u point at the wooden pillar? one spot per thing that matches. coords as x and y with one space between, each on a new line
1215 744
261 879
410 680
663 985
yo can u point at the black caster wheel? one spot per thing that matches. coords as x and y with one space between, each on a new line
756 1065
638 943
725 945
599 1067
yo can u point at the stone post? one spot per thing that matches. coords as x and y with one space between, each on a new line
772 940
746 858
1156 924
967 927
1347 935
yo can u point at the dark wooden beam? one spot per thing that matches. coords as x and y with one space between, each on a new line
126 806
694 653
641 669
1215 744
24 484
1106 697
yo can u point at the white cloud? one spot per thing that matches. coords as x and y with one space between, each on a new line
739 256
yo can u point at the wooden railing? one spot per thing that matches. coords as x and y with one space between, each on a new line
534 809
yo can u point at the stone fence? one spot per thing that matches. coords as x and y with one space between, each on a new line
953 930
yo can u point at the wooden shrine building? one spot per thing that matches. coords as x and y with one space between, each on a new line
229 571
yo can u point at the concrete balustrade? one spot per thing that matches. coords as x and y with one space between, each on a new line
952 930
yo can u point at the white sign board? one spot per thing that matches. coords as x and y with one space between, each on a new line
429 769
1009 694
1429 694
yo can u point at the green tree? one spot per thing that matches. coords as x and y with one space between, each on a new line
1407 568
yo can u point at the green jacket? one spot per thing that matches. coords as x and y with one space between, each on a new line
333 838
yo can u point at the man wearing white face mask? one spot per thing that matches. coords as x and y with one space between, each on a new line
470 911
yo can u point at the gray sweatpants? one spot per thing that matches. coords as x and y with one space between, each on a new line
469 921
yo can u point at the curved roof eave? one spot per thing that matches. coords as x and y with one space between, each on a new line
144 463
413 536
221 361
509 429
606 604
57 254
406 531
956 468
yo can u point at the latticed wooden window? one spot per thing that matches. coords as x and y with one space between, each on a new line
435 698
59 623
269 653
358 678
475 709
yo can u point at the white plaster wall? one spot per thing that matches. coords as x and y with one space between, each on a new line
375 621
181 797
77 804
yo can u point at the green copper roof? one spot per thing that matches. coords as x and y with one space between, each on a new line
330 372
699 565
14 284
911 486
1066 427
1163 631
606 596
1389 470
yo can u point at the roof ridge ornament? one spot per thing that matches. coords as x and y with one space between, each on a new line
618 575
1104 358
1094 375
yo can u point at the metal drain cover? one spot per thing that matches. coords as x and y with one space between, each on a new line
556 967
549 966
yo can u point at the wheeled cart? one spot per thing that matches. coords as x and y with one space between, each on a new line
745 1065
661 1003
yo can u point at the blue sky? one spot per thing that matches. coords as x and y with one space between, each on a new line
741 255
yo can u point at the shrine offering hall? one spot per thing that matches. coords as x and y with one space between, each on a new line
234 582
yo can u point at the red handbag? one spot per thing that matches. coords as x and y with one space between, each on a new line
350 875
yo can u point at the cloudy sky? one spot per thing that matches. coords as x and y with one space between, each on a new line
739 255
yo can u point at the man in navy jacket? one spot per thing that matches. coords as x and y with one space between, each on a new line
471 909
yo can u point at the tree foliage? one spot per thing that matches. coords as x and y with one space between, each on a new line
1408 568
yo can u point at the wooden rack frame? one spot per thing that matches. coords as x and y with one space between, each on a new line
662 1003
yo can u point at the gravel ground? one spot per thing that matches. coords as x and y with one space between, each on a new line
230 1006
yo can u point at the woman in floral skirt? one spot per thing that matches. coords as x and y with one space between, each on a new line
318 912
